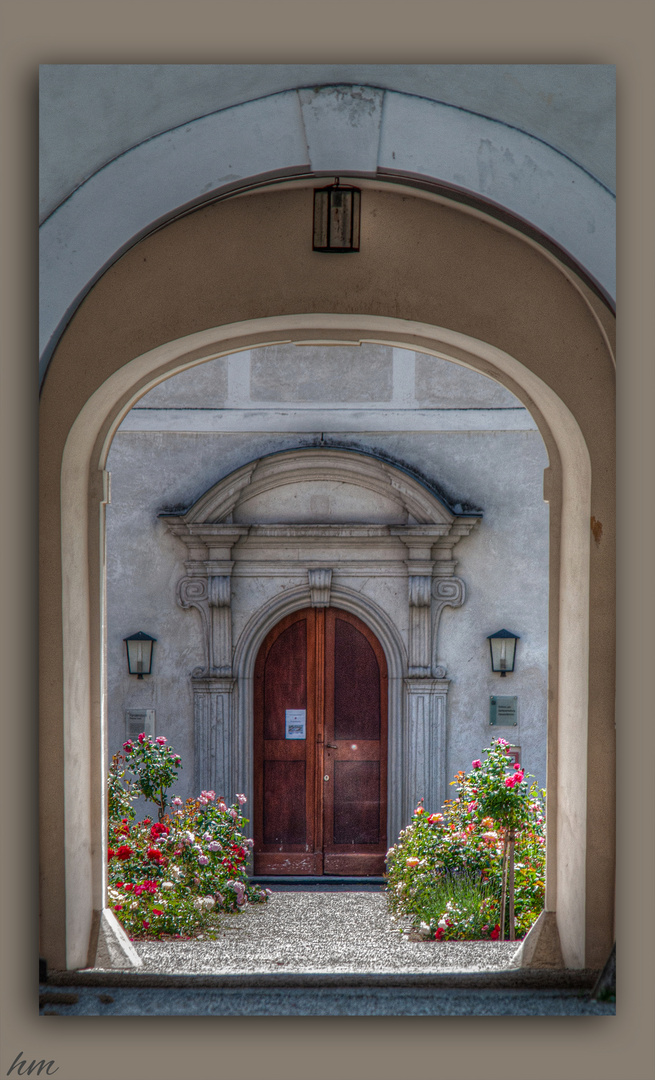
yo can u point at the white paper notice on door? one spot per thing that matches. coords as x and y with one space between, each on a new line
295 723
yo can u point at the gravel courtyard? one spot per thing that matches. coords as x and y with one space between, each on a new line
326 932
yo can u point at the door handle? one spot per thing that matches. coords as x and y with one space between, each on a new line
332 745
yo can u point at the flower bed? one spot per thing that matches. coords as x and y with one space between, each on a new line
173 876
445 874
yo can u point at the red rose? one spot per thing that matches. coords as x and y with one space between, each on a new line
110 854
124 851
129 887
495 933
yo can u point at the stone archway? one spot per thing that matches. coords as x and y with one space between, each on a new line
548 346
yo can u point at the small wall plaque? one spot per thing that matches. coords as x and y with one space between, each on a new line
139 720
503 711
295 723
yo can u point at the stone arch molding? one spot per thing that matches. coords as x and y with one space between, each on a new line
383 626
85 451
356 130
322 526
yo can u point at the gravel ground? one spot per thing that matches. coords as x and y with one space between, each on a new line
319 932
320 954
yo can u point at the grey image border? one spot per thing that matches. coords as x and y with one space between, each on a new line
595 32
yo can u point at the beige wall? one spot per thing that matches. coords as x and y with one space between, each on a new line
507 308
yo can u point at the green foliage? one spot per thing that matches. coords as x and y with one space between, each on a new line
445 871
155 767
174 877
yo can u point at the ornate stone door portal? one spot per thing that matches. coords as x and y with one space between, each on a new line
322 528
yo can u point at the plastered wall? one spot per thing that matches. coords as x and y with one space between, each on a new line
461 431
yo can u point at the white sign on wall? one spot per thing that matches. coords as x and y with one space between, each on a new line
295 723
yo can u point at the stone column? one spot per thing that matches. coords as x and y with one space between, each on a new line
219 600
213 736
209 593
420 630
447 591
425 743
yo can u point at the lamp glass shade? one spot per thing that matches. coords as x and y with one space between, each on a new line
503 650
336 218
139 653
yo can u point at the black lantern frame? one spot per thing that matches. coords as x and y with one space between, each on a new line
139 653
502 646
337 218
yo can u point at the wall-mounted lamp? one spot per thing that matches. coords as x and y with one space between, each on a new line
503 650
139 653
336 218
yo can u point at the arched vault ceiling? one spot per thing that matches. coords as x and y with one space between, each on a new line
92 113
355 130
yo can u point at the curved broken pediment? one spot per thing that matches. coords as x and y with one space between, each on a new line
320 486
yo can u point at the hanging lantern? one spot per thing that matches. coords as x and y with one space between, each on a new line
139 653
336 218
503 650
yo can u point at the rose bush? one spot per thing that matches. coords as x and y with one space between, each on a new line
176 875
445 871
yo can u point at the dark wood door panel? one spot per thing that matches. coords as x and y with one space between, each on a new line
284 769
285 799
320 802
355 797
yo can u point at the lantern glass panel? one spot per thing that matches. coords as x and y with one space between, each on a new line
139 655
502 653
336 219
341 218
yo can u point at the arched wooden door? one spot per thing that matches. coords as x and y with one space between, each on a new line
320 748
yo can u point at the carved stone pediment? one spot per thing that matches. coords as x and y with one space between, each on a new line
319 514
312 487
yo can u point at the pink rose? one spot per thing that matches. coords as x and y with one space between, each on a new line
477 764
160 740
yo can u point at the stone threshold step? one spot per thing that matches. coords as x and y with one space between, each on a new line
502 979
317 883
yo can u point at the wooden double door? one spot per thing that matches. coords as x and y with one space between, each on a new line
320 747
